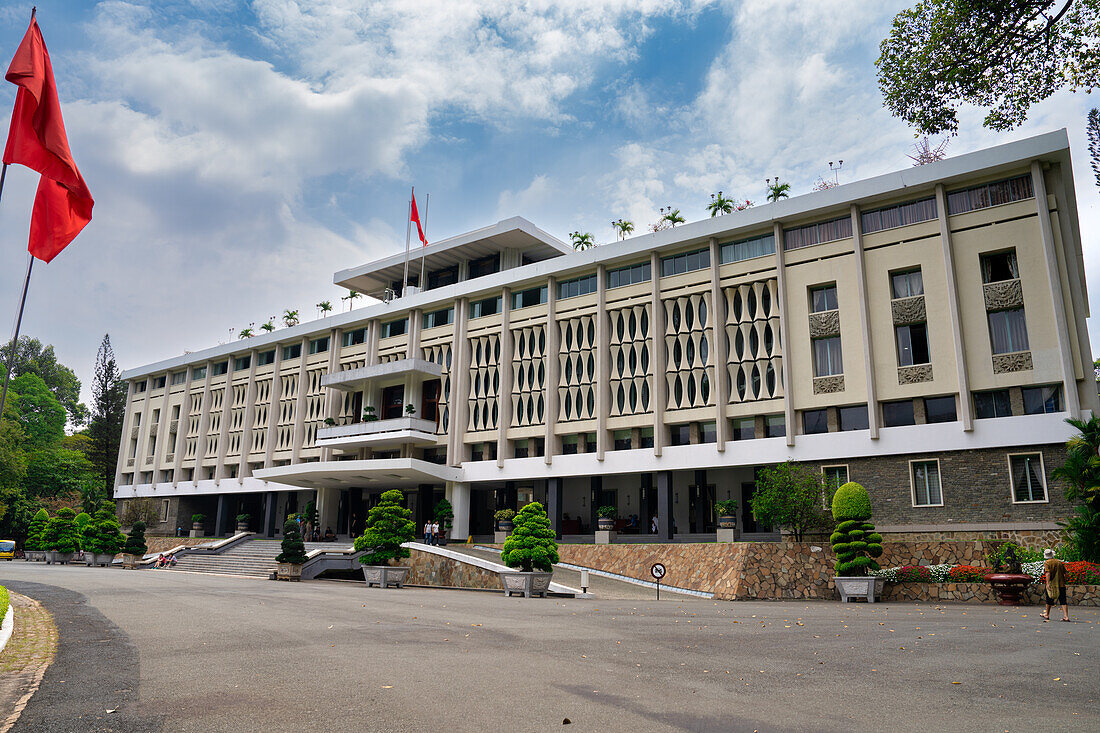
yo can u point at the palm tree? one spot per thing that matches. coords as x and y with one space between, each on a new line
269 326
672 216
778 190
624 227
1081 475
325 306
351 297
719 204
290 318
246 333
581 241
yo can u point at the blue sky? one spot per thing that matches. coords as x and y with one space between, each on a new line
241 152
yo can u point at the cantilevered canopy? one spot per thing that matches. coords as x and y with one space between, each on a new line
388 473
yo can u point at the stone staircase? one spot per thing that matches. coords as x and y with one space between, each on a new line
251 558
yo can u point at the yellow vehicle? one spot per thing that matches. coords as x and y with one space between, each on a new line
7 549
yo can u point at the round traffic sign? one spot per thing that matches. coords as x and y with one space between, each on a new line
657 571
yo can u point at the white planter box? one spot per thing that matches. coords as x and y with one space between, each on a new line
727 535
859 587
528 584
499 537
289 571
91 559
58 557
605 537
384 576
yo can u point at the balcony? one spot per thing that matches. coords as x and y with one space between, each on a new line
378 433
355 380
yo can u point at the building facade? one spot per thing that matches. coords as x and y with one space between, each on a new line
922 332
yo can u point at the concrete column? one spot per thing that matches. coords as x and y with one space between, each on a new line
664 505
273 407
227 411
412 344
1065 349
124 444
249 417
299 435
143 432
507 376
271 501
374 331
511 496
328 505
553 376
460 386
659 361
865 323
333 397
181 427
204 423
220 517
553 503
966 416
603 364
784 334
719 350
459 496
163 438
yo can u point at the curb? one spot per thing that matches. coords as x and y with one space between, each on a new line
7 627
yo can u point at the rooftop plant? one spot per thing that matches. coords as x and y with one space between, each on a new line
389 525
855 541
532 543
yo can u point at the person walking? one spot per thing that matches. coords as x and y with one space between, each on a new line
435 532
1055 571
427 533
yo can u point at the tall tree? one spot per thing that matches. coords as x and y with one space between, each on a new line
1003 55
31 357
37 412
108 408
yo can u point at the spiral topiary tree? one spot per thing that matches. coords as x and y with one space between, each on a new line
389 525
135 542
532 543
855 541
294 549
60 534
34 530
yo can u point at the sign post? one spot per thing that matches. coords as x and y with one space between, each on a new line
658 572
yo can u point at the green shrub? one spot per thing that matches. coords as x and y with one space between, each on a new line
504 515
294 550
389 525
60 534
726 507
135 542
102 535
243 518
445 513
5 601
788 496
198 518
34 530
81 521
1023 554
532 544
607 512
854 541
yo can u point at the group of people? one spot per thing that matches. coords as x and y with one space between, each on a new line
431 533
165 561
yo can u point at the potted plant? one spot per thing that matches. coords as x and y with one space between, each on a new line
60 537
533 549
605 518
368 414
726 509
135 547
410 409
33 546
293 556
242 522
196 524
503 519
389 526
102 538
855 543
329 422
444 514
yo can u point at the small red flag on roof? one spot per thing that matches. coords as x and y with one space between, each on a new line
414 215
63 204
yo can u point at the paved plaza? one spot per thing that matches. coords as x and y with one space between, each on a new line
155 650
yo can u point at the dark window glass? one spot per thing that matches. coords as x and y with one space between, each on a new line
744 428
899 215
441 317
1008 331
159 382
989 194
853 418
220 368
999 266
686 262
823 298
439 278
897 413
939 409
394 328
622 440
826 231
358 336
1027 477
317 346
708 432
528 298
577 286
645 438
775 426
680 434
631 275
265 357
484 266
746 249
179 378
519 448
912 344
144 385
907 284
815 421
926 483
292 352
569 445
994 403
486 307
828 360
198 373
1039 400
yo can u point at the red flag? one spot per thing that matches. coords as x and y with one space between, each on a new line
414 215
63 205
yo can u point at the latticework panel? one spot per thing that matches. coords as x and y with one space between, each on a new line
260 416
630 367
441 355
528 375
288 398
752 338
315 406
577 357
484 382
194 418
687 344
213 430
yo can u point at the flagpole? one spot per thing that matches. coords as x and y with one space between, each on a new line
408 232
423 250
18 318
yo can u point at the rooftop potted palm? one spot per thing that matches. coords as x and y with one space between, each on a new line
389 526
293 556
60 537
533 549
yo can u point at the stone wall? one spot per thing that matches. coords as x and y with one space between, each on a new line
426 568
163 544
1077 595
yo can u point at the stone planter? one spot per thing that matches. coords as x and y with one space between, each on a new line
499 537
196 529
289 571
53 556
384 575
527 584
605 537
859 587
605 524
726 521
728 534
35 555
129 562
91 559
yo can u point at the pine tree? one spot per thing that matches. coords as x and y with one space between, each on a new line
532 543
294 550
60 534
135 543
108 408
103 535
35 529
389 525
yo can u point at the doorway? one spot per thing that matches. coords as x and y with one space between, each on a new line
393 402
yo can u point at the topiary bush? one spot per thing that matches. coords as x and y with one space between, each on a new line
34 530
294 549
445 514
102 535
81 521
60 534
532 543
135 542
389 525
855 541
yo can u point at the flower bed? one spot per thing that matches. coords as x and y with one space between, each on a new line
1077 573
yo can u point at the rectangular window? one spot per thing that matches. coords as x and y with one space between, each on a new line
645 438
898 413
823 298
775 426
685 262
631 275
159 382
441 317
487 307
219 368
622 440
852 418
825 231
815 421
926 483
835 477
907 284
1028 483
744 428
394 328
939 409
569 445
1008 331
354 338
746 249
519 448
293 351
439 278
141 386
318 346
994 403
528 298
708 432
484 266
989 194
679 434
265 357
913 344
577 286
999 266
1046 399
242 362
899 215
198 373
827 357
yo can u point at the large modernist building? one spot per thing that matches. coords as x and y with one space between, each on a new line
922 332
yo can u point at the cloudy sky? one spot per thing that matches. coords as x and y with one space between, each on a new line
241 152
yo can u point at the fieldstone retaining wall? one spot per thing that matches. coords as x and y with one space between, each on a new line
1077 595
426 568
